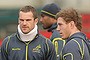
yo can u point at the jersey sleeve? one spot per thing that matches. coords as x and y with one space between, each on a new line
4 53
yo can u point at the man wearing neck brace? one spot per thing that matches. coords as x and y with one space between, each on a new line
27 43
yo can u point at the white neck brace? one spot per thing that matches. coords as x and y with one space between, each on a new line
29 36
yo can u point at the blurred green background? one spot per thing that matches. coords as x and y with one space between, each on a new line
9 12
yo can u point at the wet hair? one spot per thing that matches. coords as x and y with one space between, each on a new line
28 9
71 15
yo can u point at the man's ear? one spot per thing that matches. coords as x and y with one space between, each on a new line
36 20
72 24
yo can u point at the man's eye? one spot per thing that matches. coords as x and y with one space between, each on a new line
58 24
28 20
21 20
42 15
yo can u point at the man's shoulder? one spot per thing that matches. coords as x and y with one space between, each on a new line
41 37
54 35
9 36
44 40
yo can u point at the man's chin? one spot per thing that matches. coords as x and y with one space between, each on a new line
64 38
25 32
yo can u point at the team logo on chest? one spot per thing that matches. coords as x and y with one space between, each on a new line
37 48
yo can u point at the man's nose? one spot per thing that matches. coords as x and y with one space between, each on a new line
40 19
58 28
24 22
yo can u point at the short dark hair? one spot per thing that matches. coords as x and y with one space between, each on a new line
28 9
71 15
